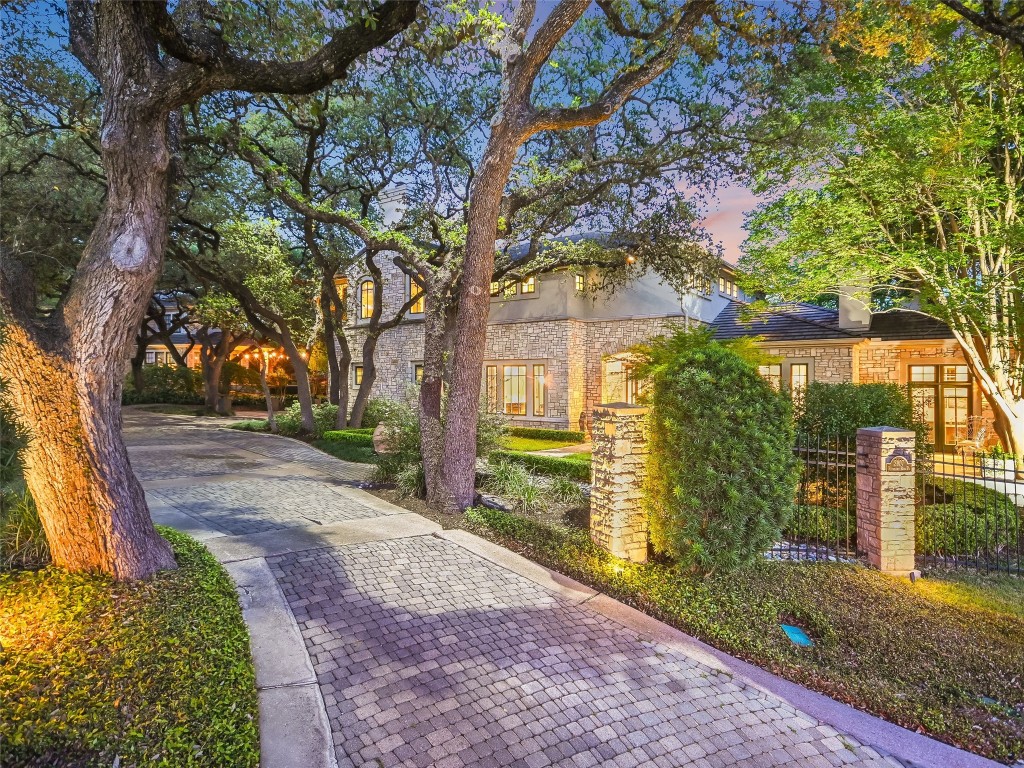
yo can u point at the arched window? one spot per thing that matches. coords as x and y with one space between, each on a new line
366 299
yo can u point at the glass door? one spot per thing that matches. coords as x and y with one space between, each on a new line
941 396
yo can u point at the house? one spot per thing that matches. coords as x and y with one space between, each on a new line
556 347
851 344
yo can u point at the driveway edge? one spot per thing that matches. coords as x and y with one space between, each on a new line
905 745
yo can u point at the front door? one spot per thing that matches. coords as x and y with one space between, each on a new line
941 395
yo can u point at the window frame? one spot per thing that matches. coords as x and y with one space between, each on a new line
363 315
357 374
528 286
494 374
421 301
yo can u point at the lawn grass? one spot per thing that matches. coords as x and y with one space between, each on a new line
944 656
100 673
347 450
515 443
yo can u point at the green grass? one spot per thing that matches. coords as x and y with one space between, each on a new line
154 672
927 655
347 450
250 425
513 443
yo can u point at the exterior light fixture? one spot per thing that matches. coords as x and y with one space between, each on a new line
630 259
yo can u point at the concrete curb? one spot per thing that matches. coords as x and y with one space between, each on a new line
905 745
294 729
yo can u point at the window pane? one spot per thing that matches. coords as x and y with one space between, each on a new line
492 389
955 373
514 390
924 408
416 291
955 401
772 374
538 390
529 285
495 288
357 374
366 299
580 284
509 289
798 381
633 385
922 373
417 373
150 357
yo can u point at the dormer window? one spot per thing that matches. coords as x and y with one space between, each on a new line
366 299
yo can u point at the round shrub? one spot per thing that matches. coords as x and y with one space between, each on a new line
839 410
721 476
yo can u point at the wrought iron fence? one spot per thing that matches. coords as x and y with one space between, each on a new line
824 522
969 513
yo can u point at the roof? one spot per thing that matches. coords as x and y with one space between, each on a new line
808 322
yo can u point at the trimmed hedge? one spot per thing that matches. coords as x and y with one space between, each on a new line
360 437
547 434
550 466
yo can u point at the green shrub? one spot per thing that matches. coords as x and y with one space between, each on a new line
376 409
550 466
22 540
811 522
251 425
166 384
411 481
513 482
721 475
841 409
354 437
537 433
567 491
956 530
289 421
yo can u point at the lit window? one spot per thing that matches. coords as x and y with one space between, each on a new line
956 373
150 358
495 287
580 283
492 389
721 284
514 390
417 373
357 374
772 374
922 373
634 386
509 288
538 390
420 297
529 285
798 375
366 299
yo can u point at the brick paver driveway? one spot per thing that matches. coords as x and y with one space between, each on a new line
427 653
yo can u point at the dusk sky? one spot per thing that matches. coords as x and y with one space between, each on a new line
725 220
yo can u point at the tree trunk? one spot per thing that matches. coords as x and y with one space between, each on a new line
437 321
271 420
369 377
458 468
344 366
301 369
66 383
333 372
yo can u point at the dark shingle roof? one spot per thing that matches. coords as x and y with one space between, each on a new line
807 322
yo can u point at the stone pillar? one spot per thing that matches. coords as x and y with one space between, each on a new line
885 498
618 523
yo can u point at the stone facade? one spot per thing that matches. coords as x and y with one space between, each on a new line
830 363
618 522
553 327
885 498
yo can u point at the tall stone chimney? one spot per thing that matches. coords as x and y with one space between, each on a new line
854 308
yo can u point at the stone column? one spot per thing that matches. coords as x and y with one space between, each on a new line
618 523
885 498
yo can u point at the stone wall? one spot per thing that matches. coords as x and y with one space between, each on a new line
832 364
618 522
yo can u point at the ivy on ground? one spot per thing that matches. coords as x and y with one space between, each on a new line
99 673
943 656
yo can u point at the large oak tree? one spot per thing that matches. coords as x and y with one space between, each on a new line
63 364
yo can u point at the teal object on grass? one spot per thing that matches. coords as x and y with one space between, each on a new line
797 636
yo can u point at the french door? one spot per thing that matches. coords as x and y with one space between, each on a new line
941 395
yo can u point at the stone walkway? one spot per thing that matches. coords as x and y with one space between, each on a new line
414 647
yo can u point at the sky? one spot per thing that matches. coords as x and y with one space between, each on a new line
725 220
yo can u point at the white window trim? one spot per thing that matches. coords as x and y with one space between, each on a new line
529 364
